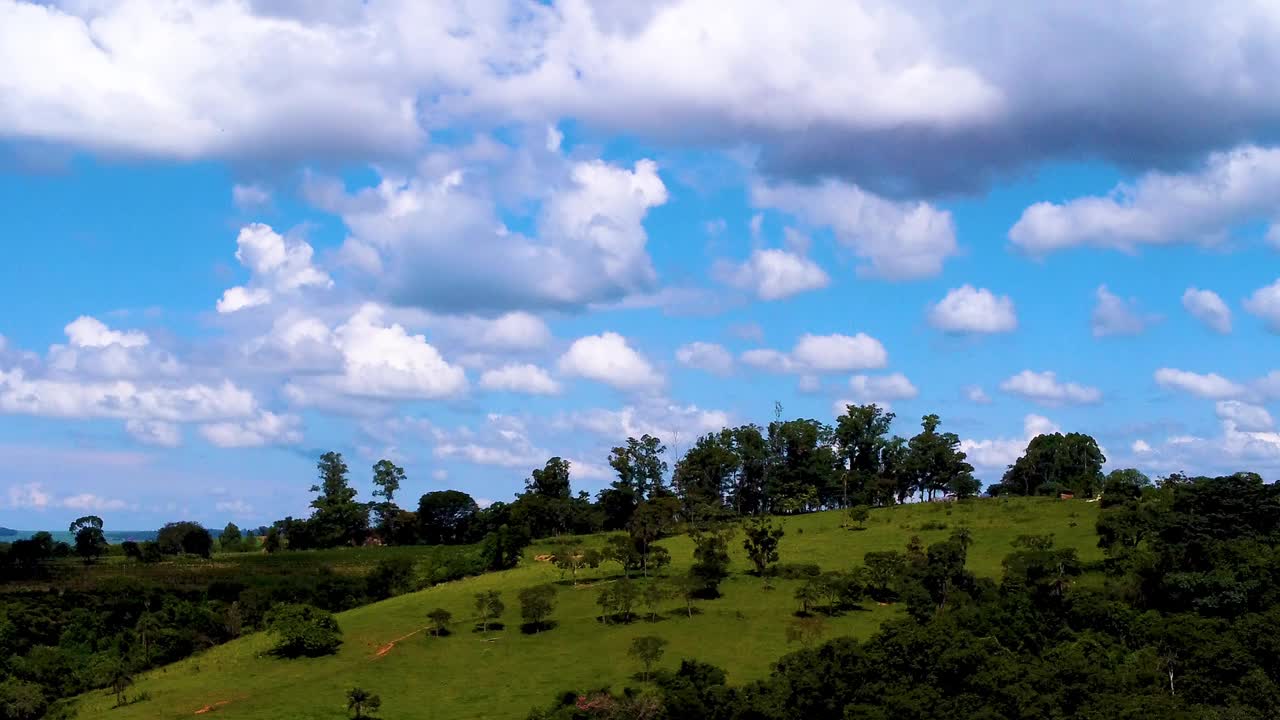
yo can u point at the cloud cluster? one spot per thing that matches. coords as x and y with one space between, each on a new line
967 309
1044 388
822 354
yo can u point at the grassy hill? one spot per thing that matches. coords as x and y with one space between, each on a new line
468 675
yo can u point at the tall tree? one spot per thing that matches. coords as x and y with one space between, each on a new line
446 517
1055 463
338 519
552 481
230 540
387 477
703 477
641 472
803 473
861 434
937 463
90 542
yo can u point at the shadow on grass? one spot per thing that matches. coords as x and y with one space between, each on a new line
493 627
535 628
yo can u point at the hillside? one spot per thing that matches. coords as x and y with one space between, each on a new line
466 675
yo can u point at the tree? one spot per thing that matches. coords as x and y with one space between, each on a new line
808 595
1057 463
652 520
552 481
21 700
361 702
936 462
187 537
710 558
648 649
230 539
440 619
536 604
90 542
503 547
338 519
131 550
446 517
116 674
704 476
859 515
271 541
387 477
489 607
883 571
686 587
573 558
860 434
303 630
653 594
622 550
761 543
147 628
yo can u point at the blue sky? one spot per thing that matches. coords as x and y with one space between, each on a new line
479 235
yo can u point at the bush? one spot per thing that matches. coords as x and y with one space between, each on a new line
303 630
933 525
794 571
391 576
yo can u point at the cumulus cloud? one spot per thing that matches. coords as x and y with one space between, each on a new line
1044 388
822 354
967 309
882 388
266 428
975 394
607 358
664 419
1207 307
895 239
88 332
589 246
1265 303
527 379
999 453
276 265
709 357
773 274
91 502
250 197
121 399
381 360
1232 188
28 496
1114 315
1233 449
1247 417
1205 385
94 349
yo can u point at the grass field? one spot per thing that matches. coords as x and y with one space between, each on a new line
467 675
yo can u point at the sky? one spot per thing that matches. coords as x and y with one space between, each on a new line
470 236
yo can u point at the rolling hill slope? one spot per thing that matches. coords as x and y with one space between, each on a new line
502 675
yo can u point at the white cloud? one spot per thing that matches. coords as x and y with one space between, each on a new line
528 379
882 388
666 420
896 239
1113 315
235 507
515 331
975 394
1233 187
1208 385
1140 447
1252 418
590 244
266 428
1207 307
1265 303
1236 448
121 399
250 197
503 441
967 309
29 496
822 354
773 274
382 360
88 332
997 454
155 432
1044 388
607 358
276 264
91 502
709 357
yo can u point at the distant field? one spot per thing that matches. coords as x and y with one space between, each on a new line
467 676
188 573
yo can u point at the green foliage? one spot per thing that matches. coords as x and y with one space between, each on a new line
90 542
536 605
231 540
184 537
360 703
648 649
440 619
489 607
1054 464
710 558
859 514
303 630
337 518
761 543
446 517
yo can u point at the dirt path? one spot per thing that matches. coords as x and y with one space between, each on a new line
391 645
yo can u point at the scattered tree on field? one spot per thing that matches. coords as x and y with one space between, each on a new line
761 543
536 605
648 649
440 619
90 542
303 630
361 703
489 607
